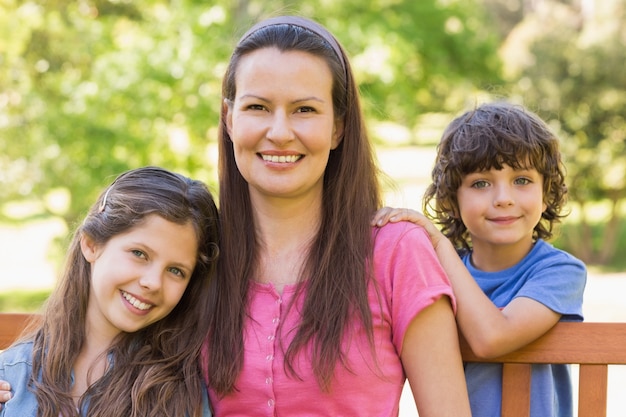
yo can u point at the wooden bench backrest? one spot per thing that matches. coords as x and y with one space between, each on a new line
11 326
593 346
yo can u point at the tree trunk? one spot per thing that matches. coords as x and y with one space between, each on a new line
608 248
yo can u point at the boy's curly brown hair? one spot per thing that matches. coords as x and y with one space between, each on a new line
490 136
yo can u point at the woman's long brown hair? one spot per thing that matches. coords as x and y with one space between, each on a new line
336 267
154 371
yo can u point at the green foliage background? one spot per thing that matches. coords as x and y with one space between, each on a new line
91 88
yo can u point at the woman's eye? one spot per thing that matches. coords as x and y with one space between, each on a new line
255 107
305 109
139 253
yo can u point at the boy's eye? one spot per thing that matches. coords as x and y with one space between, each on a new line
480 184
522 181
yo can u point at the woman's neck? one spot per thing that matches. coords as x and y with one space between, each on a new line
285 231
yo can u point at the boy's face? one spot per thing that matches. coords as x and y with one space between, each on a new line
501 207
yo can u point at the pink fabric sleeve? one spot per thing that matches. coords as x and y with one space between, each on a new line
409 274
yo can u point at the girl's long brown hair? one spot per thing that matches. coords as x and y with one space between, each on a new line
336 268
154 371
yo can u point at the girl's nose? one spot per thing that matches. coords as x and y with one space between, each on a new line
151 280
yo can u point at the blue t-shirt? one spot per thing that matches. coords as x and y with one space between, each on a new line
16 367
553 278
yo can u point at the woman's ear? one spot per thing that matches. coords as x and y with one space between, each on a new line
89 248
227 111
337 134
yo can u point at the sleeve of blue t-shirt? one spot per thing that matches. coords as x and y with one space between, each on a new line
557 280
547 275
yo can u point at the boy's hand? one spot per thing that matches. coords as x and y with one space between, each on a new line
392 215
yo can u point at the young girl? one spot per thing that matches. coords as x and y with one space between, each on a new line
498 188
316 312
121 333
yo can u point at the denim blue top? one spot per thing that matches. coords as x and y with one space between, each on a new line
16 366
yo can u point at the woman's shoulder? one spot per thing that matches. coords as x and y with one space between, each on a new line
399 231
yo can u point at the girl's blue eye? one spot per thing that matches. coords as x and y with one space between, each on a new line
177 271
138 253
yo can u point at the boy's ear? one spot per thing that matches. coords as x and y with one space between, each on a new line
89 248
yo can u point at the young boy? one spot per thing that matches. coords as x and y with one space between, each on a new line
497 190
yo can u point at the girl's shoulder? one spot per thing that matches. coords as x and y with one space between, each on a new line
19 353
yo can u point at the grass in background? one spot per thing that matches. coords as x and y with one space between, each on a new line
22 301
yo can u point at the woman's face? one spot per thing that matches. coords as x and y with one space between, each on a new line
282 123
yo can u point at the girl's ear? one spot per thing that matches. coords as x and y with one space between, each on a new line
89 248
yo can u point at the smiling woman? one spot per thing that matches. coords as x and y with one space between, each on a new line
316 312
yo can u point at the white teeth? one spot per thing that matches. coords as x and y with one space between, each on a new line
281 158
135 302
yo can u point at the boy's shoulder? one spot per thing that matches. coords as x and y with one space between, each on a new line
545 251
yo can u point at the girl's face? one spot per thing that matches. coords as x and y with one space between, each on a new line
501 207
282 122
138 277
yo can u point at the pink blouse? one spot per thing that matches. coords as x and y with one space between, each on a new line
409 278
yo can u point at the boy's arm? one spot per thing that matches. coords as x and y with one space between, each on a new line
490 332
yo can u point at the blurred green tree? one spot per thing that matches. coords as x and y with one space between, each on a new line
567 61
90 88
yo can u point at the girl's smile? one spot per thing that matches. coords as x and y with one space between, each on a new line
138 277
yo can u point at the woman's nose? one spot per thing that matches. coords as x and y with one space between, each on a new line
280 129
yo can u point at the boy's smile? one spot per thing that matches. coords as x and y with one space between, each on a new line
500 209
